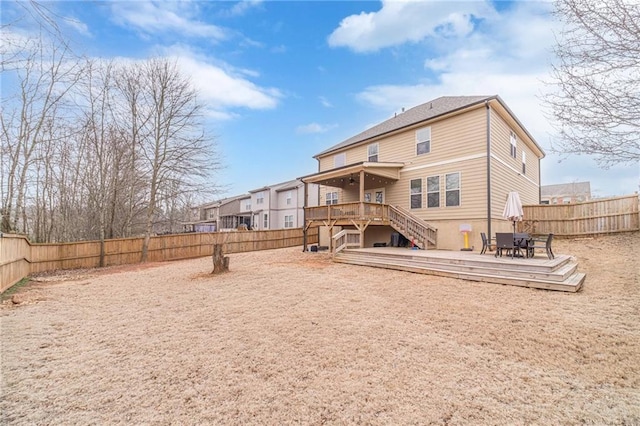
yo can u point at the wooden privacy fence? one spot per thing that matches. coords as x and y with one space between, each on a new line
20 258
619 214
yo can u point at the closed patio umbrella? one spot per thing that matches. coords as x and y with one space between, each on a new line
513 209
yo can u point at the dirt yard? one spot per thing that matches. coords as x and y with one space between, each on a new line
290 337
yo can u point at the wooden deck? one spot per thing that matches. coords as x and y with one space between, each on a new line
537 272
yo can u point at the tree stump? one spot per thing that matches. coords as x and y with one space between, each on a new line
220 261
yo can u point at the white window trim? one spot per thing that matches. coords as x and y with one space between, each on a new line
339 160
459 189
411 194
288 221
439 192
419 141
371 154
514 144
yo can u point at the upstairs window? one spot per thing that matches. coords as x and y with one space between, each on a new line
372 153
513 139
416 193
524 162
331 198
339 160
433 191
247 206
452 184
260 197
289 198
423 141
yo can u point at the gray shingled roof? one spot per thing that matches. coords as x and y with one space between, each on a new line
426 111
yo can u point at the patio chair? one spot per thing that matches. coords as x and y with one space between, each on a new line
504 241
541 243
486 244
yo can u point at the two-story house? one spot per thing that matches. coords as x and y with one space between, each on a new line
222 215
427 172
204 218
235 211
281 206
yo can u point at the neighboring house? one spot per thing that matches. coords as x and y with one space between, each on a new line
427 171
281 206
221 215
565 193
278 206
204 218
235 211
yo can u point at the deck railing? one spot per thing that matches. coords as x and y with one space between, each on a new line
346 238
413 227
362 211
402 220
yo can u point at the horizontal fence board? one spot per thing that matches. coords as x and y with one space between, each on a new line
19 258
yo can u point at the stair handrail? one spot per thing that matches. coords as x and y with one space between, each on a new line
415 226
342 241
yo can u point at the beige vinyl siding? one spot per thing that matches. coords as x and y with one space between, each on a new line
473 191
344 195
506 171
500 147
459 143
453 137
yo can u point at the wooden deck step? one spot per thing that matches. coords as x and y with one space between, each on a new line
556 274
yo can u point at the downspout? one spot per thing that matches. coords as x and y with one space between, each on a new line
539 183
486 103
304 218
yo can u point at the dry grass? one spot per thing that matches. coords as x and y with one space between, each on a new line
290 337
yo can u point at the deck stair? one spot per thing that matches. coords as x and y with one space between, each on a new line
538 272
413 228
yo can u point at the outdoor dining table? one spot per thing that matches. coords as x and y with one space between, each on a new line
517 243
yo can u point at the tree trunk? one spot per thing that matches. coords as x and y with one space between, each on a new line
220 261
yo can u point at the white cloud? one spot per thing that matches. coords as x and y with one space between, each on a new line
161 17
243 6
315 128
399 22
78 26
325 102
505 61
508 54
222 87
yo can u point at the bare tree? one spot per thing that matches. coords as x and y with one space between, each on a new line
596 101
44 78
132 115
176 152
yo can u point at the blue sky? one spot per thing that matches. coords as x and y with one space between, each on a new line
284 80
